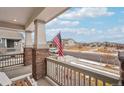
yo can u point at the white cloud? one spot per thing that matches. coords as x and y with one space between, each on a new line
87 12
62 23
115 32
64 19
76 31
53 22
69 23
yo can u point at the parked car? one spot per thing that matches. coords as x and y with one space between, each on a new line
53 50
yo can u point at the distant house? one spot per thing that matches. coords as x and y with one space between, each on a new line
68 42
10 41
65 42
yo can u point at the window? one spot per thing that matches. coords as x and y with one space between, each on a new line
0 40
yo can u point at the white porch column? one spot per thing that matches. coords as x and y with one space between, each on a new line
28 39
40 51
40 35
28 48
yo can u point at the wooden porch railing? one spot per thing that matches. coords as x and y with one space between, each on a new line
11 49
67 74
11 59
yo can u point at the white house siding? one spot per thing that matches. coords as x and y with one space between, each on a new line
6 35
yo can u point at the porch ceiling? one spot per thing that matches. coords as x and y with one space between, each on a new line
21 18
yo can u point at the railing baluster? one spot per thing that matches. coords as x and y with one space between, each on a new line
59 73
89 80
64 75
56 72
53 70
79 78
6 60
74 78
84 79
49 66
49 69
70 77
9 62
21 59
18 59
96 81
104 83
67 75
2 60
14 60
61 76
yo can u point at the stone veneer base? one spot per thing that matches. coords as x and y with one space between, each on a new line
27 56
39 62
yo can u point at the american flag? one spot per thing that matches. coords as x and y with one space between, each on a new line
58 42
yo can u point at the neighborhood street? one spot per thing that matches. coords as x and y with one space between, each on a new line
93 56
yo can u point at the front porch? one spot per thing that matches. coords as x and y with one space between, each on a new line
36 60
63 73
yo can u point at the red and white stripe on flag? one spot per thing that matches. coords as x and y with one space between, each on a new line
58 43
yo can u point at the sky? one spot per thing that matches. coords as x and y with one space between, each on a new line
89 25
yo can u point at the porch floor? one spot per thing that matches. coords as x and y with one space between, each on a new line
15 71
43 82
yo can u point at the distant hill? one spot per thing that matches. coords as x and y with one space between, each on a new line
103 44
68 42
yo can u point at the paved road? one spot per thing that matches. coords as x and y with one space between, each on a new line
94 57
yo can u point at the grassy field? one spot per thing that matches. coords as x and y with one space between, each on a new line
110 50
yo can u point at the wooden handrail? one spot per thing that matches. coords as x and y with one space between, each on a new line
11 54
105 77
